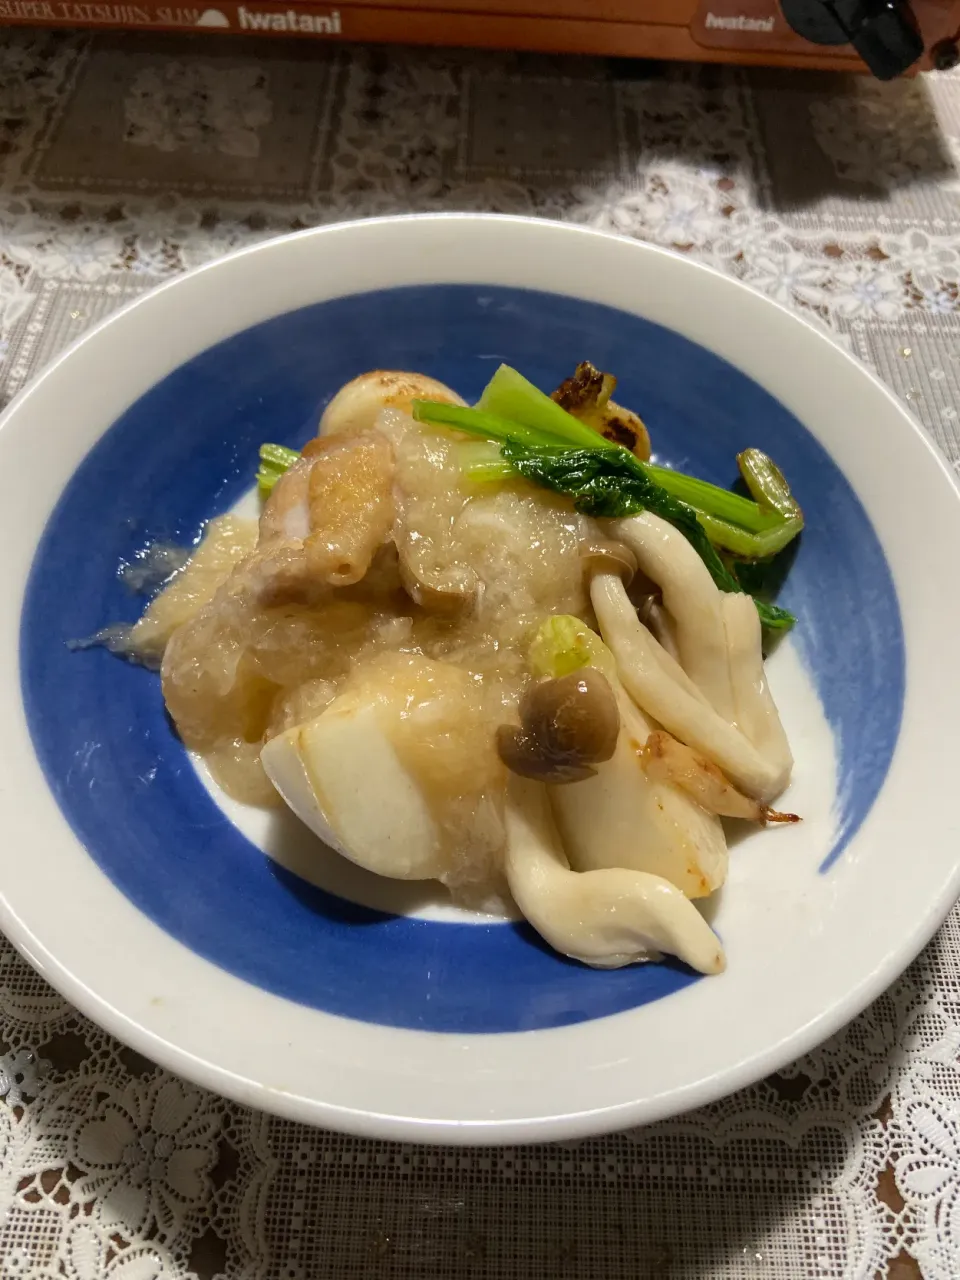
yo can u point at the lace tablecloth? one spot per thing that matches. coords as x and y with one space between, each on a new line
124 161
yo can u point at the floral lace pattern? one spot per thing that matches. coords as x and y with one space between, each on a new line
124 162
197 107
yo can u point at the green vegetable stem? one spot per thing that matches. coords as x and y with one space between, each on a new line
275 459
546 445
609 484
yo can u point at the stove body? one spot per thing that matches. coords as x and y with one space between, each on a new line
885 37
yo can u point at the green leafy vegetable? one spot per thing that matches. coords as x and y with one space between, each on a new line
766 482
751 546
563 644
544 443
732 522
275 459
477 422
771 615
763 579
481 462
609 484
510 396
711 500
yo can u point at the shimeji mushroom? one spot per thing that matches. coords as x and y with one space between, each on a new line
690 598
650 808
669 697
607 918
609 811
719 650
568 726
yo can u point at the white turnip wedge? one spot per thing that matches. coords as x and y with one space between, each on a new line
625 817
322 769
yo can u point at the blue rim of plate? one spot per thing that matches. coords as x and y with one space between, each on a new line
185 451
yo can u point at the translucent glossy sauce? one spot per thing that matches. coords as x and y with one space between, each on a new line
435 634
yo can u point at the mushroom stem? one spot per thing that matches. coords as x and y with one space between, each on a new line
606 919
756 711
606 556
667 700
654 616
692 600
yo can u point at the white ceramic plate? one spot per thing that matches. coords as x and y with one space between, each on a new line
156 909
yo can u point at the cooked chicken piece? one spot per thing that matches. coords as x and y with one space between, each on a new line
326 518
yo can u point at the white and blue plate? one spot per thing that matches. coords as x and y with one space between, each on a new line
224 942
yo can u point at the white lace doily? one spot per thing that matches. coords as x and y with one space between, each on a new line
123 161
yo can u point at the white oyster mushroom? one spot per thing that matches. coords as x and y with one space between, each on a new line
606 919
755 710
692 600
719 645
641 665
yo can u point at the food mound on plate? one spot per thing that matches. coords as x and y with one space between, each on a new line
494 646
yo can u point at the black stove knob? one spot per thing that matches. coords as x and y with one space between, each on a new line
883 32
